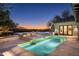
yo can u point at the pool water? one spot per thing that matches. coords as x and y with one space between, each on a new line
44 47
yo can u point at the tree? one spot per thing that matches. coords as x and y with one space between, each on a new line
57 19
50 24
65 14
5 22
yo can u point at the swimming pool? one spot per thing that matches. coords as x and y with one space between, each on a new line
43 46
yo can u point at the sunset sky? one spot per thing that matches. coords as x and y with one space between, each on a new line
36 14
32 27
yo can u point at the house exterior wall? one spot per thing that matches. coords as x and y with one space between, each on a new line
56 26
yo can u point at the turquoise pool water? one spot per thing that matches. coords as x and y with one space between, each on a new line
43 46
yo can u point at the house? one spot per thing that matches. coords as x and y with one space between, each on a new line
66 27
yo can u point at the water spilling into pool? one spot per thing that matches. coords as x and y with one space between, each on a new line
43 46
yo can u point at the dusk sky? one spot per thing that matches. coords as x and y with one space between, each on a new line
36 14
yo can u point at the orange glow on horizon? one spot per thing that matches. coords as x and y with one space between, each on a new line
33 27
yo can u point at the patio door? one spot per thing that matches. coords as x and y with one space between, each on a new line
61 30
66 30
70 30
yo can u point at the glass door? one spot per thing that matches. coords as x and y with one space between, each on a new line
65 30
70 30
61 29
